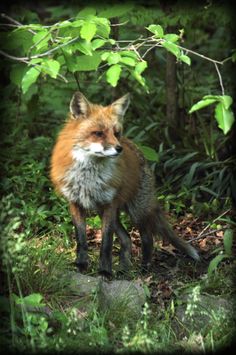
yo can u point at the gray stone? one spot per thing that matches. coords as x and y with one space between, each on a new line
199 314
112 295
122 294
83 285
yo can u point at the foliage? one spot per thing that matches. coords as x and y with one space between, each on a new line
107 51
222 254
223 114
82 42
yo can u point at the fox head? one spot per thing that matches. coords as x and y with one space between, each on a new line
97 129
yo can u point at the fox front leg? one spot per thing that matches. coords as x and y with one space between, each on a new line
108 228
78 218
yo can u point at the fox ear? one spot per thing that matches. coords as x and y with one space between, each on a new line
79 105
120 106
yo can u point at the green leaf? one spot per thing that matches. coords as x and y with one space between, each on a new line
70 61
84 47
130 53
224 118
103 27
226 100
87 63
77 23
116 10
65 24
41 38
157 30
20 39
36 61
88 31
172 47
186 59
228 241
29 78
51 67
33 300
140 67
97 43
128 61
113 58
86 12
189 177
17 73
149 153
215 262
202 103
140 79
215 97
171 37
113 74
105 55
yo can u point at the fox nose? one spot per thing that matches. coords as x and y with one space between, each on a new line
118 148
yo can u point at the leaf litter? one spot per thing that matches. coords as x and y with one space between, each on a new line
169 267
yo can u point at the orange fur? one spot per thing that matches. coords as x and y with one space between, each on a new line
128 165
96 168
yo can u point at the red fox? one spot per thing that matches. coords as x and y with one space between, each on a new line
97 169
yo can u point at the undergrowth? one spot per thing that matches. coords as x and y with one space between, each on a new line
43 313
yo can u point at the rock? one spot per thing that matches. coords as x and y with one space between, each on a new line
122 295
117 295
199 313
83 285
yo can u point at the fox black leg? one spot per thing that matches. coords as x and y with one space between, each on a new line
125 246
79 222
147 248
105 265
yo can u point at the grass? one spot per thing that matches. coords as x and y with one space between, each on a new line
73 326
38 273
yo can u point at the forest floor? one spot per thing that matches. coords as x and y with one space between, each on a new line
170 268
189 304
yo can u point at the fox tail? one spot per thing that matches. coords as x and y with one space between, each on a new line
158 225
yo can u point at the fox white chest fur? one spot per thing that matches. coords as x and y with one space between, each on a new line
87 181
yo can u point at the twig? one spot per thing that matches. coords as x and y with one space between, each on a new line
41 54
26 61
206 234
208 226
201 55
220 79
119 24
9 56
16 22
149 49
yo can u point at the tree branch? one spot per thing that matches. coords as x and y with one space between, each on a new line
18 24
220 79
201 55
38 55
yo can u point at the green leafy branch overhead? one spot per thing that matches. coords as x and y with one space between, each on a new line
84 43
223 113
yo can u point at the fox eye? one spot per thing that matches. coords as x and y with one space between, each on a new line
117 134
98 133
